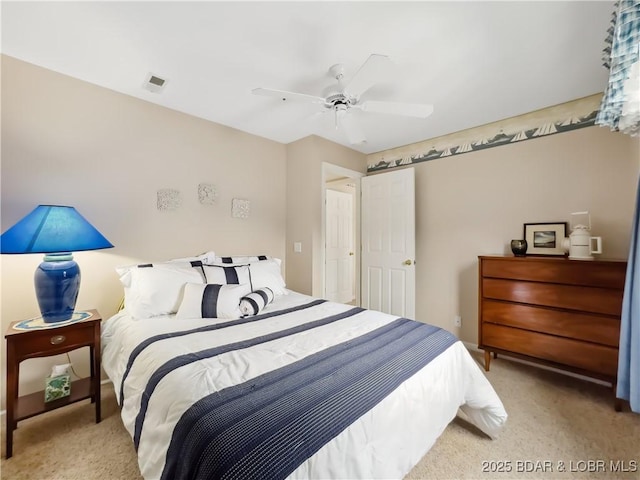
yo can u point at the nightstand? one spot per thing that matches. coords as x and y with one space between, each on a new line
44 342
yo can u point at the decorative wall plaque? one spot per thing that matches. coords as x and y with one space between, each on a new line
169 199
240 208
207 193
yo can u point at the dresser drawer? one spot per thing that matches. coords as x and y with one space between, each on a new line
589 299
587 356
573 272
581 326
54 340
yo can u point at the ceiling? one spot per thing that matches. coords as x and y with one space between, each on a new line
475 62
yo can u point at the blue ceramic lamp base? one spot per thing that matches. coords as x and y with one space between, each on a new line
57 282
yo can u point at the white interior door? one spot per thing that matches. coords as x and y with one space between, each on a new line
339 257
388 242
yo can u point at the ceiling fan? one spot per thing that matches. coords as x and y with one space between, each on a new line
342 98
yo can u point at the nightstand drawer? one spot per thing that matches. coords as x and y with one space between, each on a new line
50 341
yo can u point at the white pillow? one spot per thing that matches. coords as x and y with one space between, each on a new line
124 271
212 301
267 274
207 257
155 290
253 303
225 275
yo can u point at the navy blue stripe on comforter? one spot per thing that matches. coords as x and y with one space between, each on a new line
189 358
266 427
217 326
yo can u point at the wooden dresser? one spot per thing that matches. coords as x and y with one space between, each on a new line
552 310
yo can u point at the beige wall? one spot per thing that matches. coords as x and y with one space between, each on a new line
65 141
304 207
68 142
474 204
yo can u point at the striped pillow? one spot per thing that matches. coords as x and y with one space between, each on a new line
227 275
242 260
212 301
253 303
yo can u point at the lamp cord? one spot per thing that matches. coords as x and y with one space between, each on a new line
71 365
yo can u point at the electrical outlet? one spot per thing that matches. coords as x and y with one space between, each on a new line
457 321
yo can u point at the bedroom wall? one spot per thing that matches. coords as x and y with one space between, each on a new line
304 214
65 141
474 204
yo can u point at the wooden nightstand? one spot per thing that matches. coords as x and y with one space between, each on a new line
44 342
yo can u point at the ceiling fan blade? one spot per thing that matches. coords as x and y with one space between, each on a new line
419 110
282 95
377 68
351 128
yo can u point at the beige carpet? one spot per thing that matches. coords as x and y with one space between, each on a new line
552 418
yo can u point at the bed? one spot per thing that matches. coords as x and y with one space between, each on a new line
289 386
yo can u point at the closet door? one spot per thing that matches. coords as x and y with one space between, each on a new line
388 242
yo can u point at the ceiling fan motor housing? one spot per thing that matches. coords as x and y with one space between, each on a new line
339 99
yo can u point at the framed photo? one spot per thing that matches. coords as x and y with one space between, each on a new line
545 238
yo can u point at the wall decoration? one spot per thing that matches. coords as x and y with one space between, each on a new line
207 193
558 119
169 199
545 238
240 208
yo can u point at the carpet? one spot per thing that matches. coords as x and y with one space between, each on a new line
558 427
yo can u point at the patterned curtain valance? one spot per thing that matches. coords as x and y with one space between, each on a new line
620 108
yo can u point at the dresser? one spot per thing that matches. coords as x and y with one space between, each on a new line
552 310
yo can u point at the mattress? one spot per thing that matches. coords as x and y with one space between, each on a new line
212 398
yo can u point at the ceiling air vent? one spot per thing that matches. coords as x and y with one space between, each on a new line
154 83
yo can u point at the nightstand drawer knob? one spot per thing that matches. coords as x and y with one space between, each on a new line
57 339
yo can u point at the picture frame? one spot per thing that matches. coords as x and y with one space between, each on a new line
545 238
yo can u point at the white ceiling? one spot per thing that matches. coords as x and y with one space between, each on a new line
476 62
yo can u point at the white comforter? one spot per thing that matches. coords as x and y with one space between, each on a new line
384 443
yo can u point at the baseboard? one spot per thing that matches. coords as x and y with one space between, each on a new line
474 348
102 382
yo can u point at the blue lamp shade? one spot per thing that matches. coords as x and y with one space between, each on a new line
56 231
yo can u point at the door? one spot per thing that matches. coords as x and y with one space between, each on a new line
339 257
388 242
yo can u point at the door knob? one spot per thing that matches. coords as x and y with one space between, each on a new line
407 262
350 253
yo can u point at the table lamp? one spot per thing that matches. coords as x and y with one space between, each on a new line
56 231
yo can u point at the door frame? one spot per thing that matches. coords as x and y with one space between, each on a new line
330 172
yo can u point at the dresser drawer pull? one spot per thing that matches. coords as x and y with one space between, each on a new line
57 339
